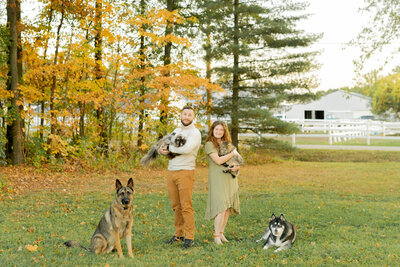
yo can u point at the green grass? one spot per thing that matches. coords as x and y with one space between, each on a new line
352 142
259 156
346 214
328 155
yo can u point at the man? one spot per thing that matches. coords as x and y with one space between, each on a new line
181 178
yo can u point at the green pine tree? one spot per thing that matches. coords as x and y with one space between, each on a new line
263 60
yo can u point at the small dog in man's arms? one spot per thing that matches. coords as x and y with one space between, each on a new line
115 224
237 160
169 140
280 233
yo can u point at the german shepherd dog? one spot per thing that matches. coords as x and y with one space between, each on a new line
169 140
115 224
280 233
226 148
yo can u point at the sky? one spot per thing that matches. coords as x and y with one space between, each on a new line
340 22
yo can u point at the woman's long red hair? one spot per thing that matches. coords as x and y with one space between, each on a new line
226 137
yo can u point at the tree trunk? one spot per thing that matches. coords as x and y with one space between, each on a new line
235 85
208 76
98 42
112 106
167 62
15 148
43 103
82 104
53 116
142 81
81 120
66 82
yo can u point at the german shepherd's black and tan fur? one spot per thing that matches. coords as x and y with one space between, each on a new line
115 224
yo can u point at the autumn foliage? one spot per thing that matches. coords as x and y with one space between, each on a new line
94 71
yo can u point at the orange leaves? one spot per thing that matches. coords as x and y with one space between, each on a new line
157 18
32 248
130 81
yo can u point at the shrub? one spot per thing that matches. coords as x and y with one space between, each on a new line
2 147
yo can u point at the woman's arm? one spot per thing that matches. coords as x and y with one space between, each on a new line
221 160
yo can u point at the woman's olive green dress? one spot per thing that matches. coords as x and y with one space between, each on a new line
223 190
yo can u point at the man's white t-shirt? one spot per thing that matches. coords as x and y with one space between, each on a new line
187 159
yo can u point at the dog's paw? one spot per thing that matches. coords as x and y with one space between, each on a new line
280 249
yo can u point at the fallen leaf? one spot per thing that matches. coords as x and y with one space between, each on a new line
32 248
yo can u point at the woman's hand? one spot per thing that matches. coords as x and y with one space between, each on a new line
235 168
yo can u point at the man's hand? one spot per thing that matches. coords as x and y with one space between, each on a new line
163 150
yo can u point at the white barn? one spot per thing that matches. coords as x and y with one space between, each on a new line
336 105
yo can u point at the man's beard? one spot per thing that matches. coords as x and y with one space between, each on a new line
184 124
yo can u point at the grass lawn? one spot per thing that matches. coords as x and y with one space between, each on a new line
345 214
325 141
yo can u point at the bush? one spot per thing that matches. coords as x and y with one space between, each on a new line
35 152
2 147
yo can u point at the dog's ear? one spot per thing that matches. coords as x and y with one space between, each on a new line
282 217
273 217
118 185
130 183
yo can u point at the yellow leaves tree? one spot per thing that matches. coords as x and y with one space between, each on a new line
386 99
165 79
97 67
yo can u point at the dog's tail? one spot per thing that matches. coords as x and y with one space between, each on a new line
74 244
150 156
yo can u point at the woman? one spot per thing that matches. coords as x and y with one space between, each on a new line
223 190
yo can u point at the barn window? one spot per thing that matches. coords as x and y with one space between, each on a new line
307 114
319 114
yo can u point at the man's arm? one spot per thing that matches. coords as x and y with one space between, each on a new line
193 141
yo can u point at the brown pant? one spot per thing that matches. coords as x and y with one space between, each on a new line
180 187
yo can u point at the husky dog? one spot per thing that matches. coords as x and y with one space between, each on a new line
169 140
115 224
226 148
280 233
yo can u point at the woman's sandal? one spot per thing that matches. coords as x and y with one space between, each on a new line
222 237
217 239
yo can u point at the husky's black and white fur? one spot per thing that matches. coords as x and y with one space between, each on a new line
170 140
280 233
226 148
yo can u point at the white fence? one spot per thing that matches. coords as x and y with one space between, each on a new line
338 130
